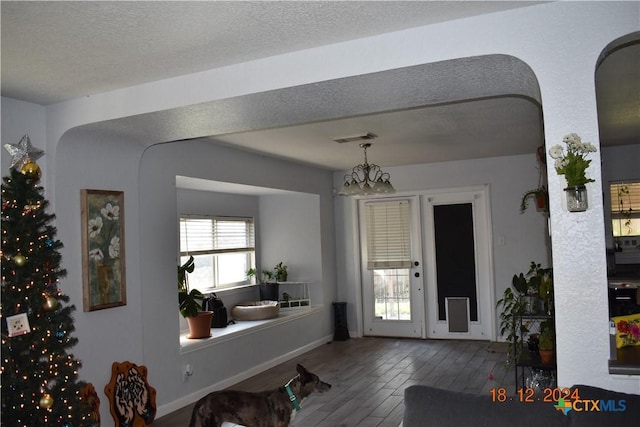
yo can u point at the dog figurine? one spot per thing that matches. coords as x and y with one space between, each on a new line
273 408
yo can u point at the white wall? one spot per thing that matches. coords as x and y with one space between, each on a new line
116 334
290 232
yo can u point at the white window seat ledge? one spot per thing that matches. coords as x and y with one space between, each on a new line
243 327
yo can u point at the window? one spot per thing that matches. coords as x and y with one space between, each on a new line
223 249
625 208
388 235
388 228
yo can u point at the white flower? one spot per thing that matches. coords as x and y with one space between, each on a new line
573 163
95 227
556 151
111 212
114 247
572 138
96 255
589 147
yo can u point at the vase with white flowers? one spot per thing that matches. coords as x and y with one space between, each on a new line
573 164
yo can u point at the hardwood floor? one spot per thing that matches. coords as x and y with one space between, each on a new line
369 376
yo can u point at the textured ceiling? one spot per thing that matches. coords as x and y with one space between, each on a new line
56 51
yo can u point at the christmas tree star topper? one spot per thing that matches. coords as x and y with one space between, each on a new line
22 152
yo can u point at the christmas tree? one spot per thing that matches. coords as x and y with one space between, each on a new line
40 384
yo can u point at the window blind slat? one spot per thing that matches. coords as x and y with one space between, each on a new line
388 235
212 235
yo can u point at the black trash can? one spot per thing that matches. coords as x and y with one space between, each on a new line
341 331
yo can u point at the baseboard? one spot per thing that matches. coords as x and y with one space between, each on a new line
194 397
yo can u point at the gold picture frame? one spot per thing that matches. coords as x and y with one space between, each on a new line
103 256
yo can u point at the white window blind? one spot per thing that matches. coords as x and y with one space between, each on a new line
216 235
388 234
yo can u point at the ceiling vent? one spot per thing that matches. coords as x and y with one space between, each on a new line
364 137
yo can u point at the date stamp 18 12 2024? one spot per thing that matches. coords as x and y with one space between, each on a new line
528 395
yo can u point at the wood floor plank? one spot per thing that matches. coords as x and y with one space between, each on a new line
369 376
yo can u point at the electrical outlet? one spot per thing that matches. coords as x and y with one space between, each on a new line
187 373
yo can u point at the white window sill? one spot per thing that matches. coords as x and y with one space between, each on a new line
241 328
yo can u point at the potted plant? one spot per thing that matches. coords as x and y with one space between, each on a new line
546 342
545 290
269 289
190 303
540 195
523 297
539 284
281 272
512 309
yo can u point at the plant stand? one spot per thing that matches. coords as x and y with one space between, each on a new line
294 295
528 363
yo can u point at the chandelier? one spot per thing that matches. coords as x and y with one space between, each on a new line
366 179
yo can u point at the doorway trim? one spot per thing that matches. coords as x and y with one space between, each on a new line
484 259
415 326
486 192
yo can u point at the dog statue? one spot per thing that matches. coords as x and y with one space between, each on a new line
273 408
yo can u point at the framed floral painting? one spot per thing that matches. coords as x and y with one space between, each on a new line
103 267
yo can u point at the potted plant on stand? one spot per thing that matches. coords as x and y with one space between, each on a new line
190 303
281 272
546 344
521 298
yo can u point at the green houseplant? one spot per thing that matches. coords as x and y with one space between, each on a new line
546 343
512 308
540 196
281 272
264 278
190 302
189 305
519 299
268 281
268 287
